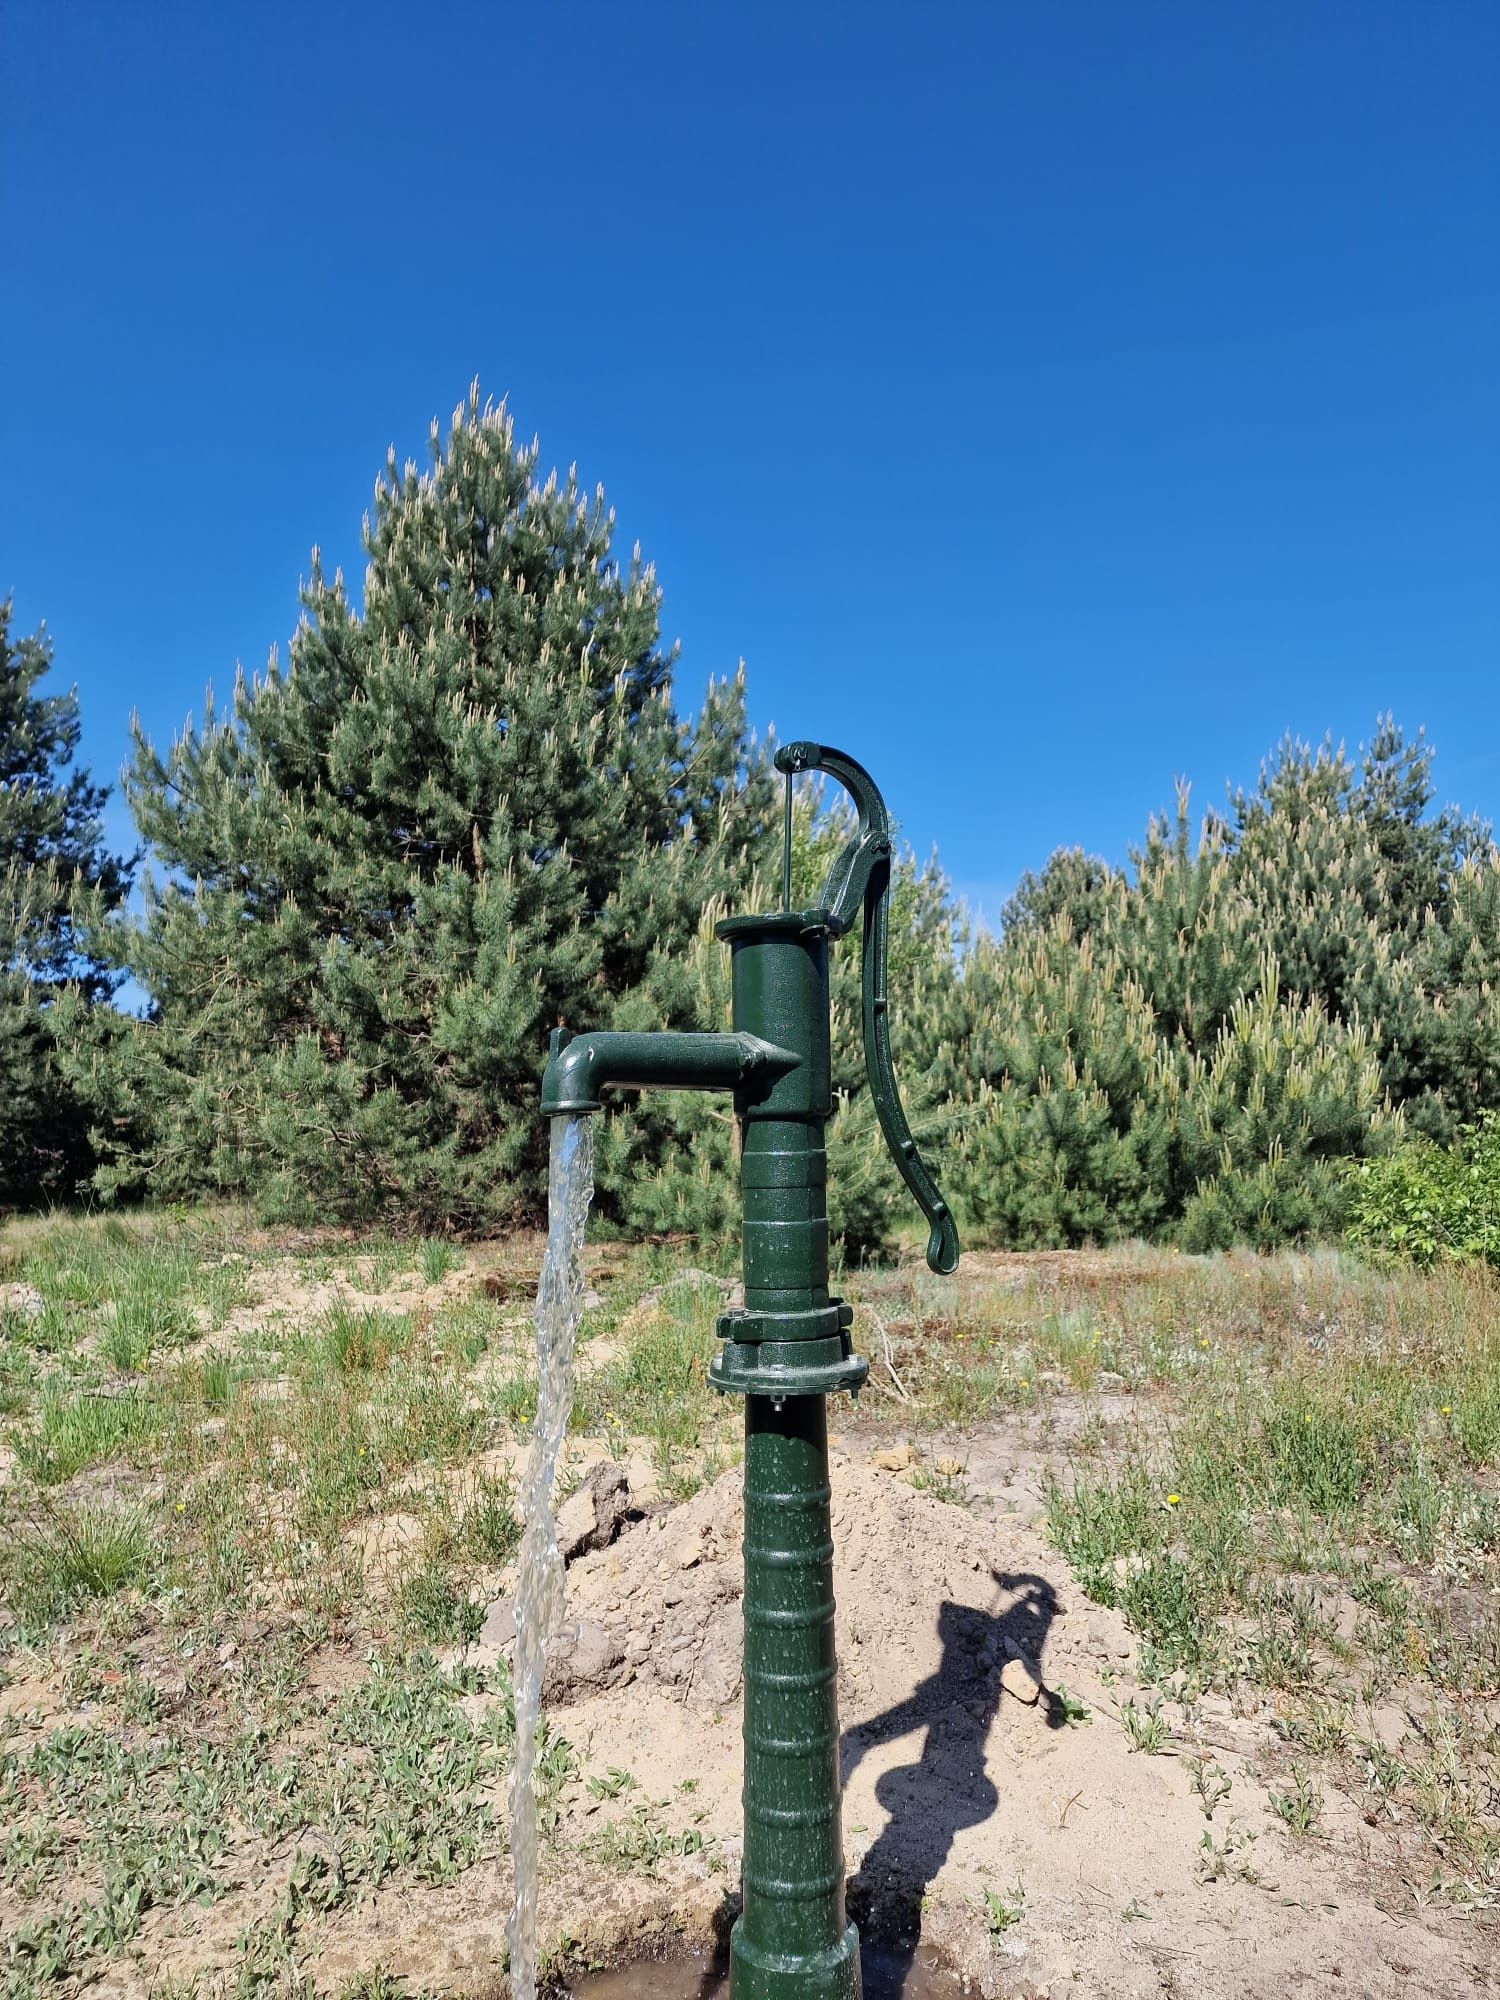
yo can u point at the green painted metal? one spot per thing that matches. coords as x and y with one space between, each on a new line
860 880
785 1350
580 1066
793 1940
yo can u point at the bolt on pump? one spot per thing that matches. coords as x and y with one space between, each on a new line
786 1350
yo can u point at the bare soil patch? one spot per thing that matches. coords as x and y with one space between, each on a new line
984 1756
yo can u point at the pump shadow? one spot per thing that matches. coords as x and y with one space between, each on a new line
713 1980
946 1790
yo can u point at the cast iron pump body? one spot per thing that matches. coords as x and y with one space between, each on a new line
785 1351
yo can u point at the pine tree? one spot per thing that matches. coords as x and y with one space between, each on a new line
1365 895
1151 1069
51 848
1070 880
1062 1047
459 815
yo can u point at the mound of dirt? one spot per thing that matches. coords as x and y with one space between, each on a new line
992 1798
667 1600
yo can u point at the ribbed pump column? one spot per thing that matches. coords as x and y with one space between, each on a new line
784 1177
784 1351
793 1938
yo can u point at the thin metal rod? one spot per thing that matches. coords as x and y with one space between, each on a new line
786 846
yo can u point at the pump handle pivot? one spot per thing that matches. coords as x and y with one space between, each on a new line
860 878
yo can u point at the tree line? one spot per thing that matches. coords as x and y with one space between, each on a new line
470 809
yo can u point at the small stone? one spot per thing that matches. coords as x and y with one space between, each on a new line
593 1650
1390 1724
896 1458
695 1547
720 1658
591 1518
948 1468
315 1857
1106 1638
499 1626
1016 1682
578 1657
1021 1677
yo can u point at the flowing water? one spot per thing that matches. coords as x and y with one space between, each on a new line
539 1591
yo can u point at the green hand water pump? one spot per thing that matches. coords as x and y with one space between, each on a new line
785 1351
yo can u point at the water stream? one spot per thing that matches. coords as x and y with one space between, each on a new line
539 1590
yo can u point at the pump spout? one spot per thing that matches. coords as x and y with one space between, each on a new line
579 1067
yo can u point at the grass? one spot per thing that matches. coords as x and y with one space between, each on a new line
1311 1512
433 1607
68 1557
1284 1472
89 1426
637 1843
1287 1477
195 1482
435 1259
1302 1806
394 1775
658 1388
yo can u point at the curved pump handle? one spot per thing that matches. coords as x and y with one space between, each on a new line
860 878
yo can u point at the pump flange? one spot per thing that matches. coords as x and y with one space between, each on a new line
788 1354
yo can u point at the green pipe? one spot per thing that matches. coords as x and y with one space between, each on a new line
581 1066
785 1350
793 1940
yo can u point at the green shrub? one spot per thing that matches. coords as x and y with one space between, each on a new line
1426 1204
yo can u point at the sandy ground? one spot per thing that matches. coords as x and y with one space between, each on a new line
964 1649
965 1657
963 1774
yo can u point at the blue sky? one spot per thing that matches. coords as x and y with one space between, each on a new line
1043 400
